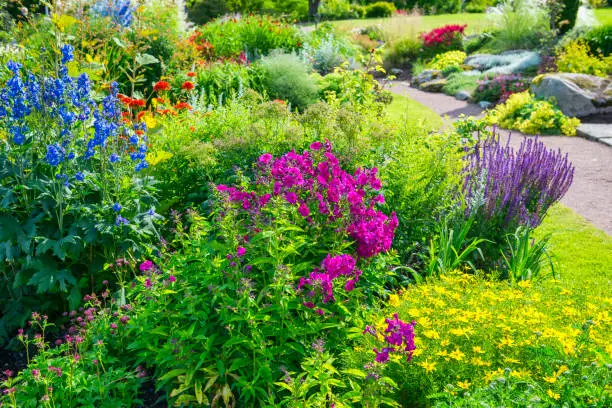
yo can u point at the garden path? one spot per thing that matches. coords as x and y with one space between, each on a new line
591 192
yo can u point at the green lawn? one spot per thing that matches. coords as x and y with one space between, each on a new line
604 15
405 109
581 252
411 26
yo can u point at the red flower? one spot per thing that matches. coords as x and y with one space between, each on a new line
137 102
140 115
188 86
162 86
191 74
182 105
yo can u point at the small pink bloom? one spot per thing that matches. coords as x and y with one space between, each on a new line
146 265
241 251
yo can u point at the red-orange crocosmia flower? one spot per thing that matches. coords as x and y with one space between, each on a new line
188 86
191 74
162 86
182 105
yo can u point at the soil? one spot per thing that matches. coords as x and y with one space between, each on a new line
591 192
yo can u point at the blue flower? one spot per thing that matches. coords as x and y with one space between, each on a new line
117 207
13 66
134 139
67 53
55 154
18 134
63 177
79 176
71 155
142 165
114 158
120 220
151 212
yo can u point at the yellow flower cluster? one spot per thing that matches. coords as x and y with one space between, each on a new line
448 59
524 113
471 331
576 57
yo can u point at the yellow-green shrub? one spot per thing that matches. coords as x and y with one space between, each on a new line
448 59
523 112
470 331
576 57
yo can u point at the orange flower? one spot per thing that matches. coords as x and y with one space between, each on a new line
162 86
182 105
191 74
188 86
140 115
138 102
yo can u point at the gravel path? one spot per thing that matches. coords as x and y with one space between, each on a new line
591 192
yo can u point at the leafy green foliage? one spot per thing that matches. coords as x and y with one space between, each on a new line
286 77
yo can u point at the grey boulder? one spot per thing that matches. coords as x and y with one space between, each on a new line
577 95
426 76
463 95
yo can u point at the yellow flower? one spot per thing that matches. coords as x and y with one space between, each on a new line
431 334
457 354
553 395
477 361
477 350
461 331
444 343
550 380
464 384
524 284
428 366
394 300
506 342
511 360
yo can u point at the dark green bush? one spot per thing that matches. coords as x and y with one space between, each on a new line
599 39
477 42
202 11
568 15
478 6
380 9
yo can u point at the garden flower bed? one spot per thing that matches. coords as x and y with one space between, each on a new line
239 215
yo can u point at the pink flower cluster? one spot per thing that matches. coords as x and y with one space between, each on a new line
316 184
443 35
326 196
398 334
322 280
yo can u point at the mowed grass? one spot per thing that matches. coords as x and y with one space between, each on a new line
412 112
411 26
604 15
582 253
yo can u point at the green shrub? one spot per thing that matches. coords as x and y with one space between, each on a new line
336 10
422 175
287 77
599 39
458 82
478 41
478 6
380 9
358 10
254 35
576 57
568 15
402 53
202 11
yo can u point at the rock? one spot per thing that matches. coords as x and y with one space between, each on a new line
471 72
577 95
426 76
433 86
596 131
485 104
463 95
396 71
509 62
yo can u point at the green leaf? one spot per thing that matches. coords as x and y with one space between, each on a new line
146 59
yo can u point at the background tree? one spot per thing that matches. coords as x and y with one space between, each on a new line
567 16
